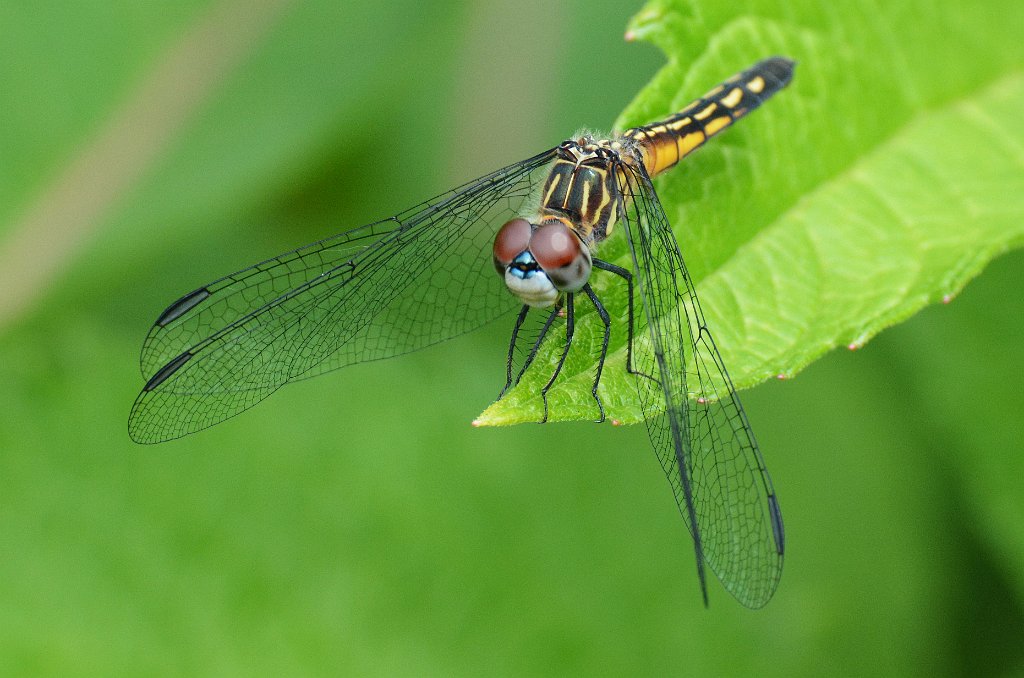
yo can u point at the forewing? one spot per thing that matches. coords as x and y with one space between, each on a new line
694 417
380 290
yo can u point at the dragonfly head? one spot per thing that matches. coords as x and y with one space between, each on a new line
541 261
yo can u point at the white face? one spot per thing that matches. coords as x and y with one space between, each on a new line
535 290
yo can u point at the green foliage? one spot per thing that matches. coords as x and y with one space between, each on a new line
356 524
887 176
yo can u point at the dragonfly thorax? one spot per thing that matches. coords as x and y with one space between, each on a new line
581 188
541 261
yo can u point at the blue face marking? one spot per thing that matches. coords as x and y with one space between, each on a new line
523 266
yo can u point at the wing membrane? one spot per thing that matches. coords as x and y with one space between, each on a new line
701 434
377 291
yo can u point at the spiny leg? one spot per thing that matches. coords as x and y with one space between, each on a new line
628 277
570 322
604 344
540 338
512 349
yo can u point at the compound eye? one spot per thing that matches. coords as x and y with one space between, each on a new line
553 245
512 240
562 256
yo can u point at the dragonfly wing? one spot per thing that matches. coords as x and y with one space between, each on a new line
377 291
695 420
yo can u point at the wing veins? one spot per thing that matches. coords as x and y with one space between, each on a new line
721 479
234 381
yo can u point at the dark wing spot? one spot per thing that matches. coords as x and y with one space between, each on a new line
776 517
182 306
167 370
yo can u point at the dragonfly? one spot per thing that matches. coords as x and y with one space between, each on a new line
428 274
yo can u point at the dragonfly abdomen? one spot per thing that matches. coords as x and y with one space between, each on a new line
668 141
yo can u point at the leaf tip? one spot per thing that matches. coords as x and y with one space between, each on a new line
492 416
642 24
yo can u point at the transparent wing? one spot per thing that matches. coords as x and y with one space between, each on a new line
694 417
377 291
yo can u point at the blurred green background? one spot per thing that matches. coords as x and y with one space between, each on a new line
356 524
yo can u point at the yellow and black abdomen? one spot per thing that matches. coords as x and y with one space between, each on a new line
665 143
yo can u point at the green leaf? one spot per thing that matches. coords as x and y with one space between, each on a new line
884 179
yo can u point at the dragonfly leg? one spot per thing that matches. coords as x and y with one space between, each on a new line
512 348
540 338
570 322
628 277
601 311
630 318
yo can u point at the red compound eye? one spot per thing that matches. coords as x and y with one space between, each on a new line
512 240
561 255
553 245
